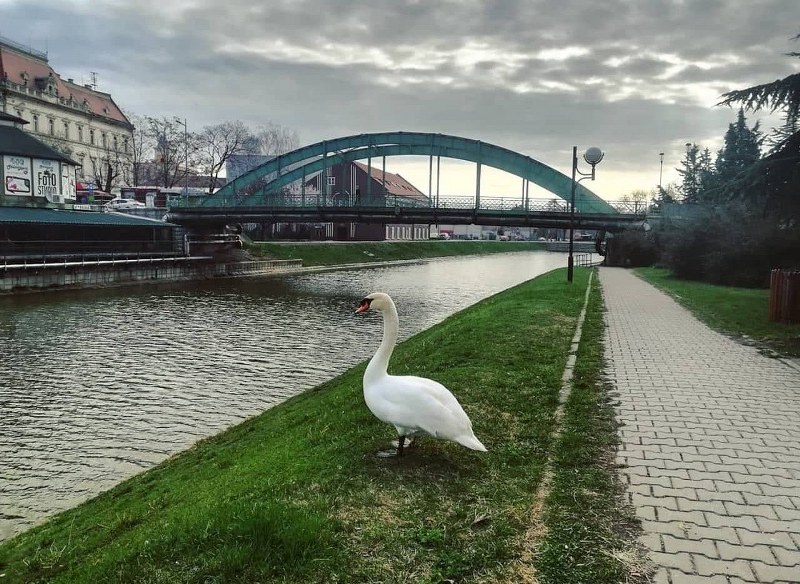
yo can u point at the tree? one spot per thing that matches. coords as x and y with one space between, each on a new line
666 196
639 198
781 94
141 148
741 150
691 172
274 139
216 144
776 175
170 150
110 166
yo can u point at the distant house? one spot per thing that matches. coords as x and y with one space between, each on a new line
82 123
357 184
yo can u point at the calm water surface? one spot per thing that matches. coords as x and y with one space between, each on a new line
98 385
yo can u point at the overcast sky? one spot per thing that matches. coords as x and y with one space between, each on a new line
635 77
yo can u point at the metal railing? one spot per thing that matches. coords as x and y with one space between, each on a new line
499 204
60 251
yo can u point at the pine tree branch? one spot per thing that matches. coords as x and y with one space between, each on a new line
781 93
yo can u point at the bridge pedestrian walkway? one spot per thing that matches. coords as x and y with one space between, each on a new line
710 441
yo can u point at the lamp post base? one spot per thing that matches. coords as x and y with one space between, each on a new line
570 268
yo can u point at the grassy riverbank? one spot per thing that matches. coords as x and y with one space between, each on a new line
298 495
335 253
740 312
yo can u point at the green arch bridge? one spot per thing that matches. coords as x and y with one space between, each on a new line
261 194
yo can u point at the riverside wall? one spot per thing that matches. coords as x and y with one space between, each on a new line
28 277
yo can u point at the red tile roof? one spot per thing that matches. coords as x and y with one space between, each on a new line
23 69
395 183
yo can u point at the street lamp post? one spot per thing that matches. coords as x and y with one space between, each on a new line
660 172
592 156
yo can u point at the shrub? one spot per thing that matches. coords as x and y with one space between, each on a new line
632 249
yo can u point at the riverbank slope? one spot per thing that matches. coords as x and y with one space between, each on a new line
297 494
355 252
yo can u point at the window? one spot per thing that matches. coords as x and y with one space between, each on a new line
80 133
35 123
104 140
51 126
66 129
115 143
126 145
91 137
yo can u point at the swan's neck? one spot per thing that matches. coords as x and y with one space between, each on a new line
379 363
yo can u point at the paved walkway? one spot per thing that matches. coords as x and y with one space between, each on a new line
710 441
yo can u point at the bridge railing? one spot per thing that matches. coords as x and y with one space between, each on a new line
282 200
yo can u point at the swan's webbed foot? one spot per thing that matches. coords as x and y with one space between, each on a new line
399 447
409 442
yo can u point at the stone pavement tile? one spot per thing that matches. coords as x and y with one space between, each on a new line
711 567
765 573
678 577
710 442
762 553
788 558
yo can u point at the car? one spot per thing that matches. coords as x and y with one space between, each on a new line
120 203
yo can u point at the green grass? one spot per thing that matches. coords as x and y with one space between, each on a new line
297 494
739 312
590 530
334 253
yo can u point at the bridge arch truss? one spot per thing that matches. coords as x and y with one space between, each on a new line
306 162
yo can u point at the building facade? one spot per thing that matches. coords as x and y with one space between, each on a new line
356 184
82 123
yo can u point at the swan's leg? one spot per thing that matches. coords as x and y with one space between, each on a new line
400 441
409 441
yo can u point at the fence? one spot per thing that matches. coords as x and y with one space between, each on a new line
784 296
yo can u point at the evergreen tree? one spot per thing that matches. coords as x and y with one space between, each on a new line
781 94
776 176
707 174
742 149
691 172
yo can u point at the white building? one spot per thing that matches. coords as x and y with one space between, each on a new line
82 123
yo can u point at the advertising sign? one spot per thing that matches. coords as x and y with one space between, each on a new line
68 182
17 178
46 179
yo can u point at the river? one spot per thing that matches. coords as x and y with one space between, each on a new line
98 385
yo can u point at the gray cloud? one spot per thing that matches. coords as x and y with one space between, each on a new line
536 76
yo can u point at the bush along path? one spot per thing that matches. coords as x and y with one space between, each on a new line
298 494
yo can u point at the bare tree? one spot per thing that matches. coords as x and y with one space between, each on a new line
170 148
140 149
216 144
639 198
111 166
274 139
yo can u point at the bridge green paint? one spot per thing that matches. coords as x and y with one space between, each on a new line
329 152
584 199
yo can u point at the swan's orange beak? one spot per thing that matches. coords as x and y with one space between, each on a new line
364 306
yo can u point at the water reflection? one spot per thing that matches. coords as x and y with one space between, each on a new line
98 385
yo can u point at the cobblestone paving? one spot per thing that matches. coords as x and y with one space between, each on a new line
710 442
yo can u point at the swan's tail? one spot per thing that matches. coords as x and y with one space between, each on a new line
471 442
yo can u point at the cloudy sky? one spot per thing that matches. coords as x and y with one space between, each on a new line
635 77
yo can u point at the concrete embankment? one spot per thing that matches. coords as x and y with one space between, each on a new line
32 276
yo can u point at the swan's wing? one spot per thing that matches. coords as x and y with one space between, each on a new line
438 391
417 402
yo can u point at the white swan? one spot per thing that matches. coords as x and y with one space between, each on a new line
413 405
